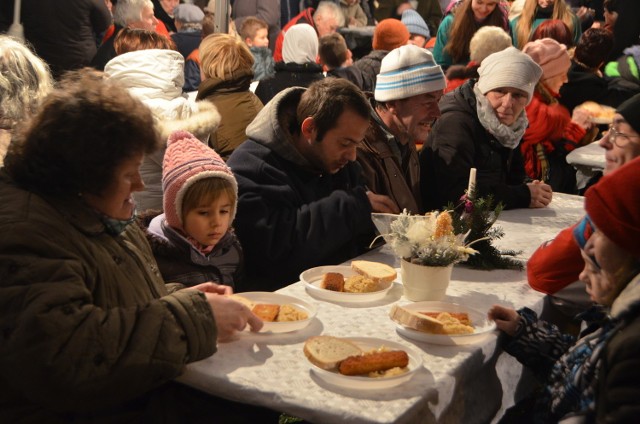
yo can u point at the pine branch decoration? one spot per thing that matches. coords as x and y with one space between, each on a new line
478 216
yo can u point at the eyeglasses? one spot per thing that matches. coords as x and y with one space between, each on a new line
619 139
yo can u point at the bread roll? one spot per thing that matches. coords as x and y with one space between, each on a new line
327 352
266 311
333 281
380 273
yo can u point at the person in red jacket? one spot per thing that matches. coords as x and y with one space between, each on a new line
552 132
326 19
556 264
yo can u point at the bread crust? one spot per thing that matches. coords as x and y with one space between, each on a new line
415 320
381 273
372 362
312 351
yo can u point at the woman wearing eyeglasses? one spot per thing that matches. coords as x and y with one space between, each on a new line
593 379
554 267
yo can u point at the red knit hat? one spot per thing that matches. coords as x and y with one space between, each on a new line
614 206
550 55
186 161
390 34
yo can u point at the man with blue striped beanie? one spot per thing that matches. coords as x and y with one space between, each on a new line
408 89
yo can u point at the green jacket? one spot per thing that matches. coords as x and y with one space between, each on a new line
86 320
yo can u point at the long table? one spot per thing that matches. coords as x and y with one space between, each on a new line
465 384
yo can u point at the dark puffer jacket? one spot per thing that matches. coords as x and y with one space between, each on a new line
459 142
288 75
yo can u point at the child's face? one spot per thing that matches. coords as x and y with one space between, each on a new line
208 223
260 40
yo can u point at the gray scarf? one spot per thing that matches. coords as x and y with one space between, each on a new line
507 135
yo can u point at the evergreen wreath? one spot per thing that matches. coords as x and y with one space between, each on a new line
478 216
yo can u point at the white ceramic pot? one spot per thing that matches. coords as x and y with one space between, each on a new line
425 282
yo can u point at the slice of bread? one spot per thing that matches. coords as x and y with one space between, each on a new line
327 352
380 273
416 320
333 281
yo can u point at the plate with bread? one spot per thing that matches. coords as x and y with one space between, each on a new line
362 281
280 313
441 323
598 114
363 363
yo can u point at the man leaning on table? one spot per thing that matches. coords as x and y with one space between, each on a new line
408 89
555 266
301 198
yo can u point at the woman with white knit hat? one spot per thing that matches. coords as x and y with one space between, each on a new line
481 126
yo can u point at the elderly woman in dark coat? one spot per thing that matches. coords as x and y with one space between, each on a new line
89 330
594 378
481 126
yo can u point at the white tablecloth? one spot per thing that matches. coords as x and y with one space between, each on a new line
458 384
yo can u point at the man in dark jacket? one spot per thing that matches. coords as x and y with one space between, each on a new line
301 199
408 89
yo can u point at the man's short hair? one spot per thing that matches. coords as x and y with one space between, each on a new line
594 47
325 101
332 50
250 27
129 11
328 9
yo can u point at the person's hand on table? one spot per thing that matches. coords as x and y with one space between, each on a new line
541 194
382 203
231 316
211 287
506 319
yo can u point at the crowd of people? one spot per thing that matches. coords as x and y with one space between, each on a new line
150 166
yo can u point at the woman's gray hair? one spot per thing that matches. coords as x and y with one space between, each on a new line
25 80
127 11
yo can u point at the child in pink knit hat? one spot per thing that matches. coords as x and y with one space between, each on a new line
193 240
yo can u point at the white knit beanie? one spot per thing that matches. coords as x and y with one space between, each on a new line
406 72
509 68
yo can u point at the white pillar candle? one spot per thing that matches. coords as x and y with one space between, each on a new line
16 11
472 183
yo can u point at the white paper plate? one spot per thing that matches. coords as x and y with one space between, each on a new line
482 325
313 277
601 121
281 299
371 383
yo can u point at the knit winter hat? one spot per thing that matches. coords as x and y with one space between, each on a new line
406 72
188 13
613 204
300 44
630 110
186 161
389 34
509 68
488 40
415 24
550 55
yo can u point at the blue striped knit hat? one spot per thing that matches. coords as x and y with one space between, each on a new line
406 72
